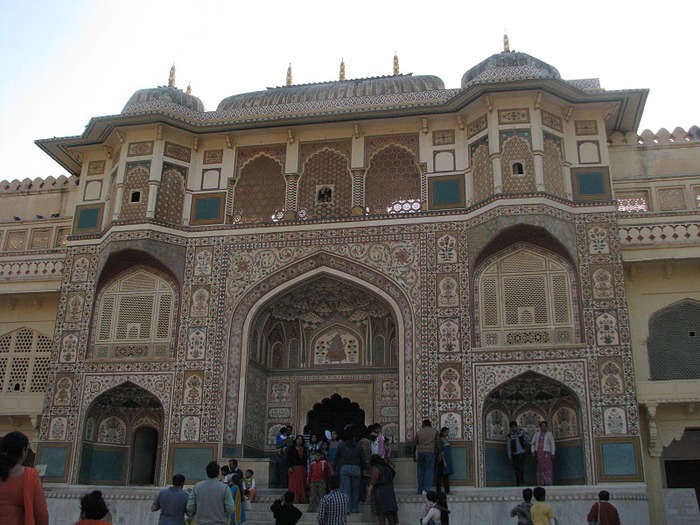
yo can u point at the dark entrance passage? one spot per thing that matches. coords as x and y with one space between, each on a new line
143 463
336 413
681 461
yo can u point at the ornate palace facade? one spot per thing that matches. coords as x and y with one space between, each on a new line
379 249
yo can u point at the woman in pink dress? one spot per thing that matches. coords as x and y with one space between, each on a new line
544 450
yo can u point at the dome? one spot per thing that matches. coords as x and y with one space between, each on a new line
166 94
506 66
342 89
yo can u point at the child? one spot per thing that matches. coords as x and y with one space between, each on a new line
333 445
319 472
226 474
541 512
431 498
522 510
444 461
326 449
249 489
438 513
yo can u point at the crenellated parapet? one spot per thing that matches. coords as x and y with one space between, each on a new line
649 138
38 184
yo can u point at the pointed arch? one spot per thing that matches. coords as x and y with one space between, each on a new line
674 337
325 173
569 377
115 410
255 299
525 295
135 315
259 190
393 179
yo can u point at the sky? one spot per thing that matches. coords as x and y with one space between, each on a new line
62 63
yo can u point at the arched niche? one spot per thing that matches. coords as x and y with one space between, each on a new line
674 338
122 440
529 399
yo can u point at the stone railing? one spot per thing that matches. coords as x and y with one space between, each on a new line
32 268
655 233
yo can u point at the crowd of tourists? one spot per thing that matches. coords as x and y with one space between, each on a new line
331 474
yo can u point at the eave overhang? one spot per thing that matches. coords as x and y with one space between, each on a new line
627 107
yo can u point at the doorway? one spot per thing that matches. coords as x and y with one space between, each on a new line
143 459
336 413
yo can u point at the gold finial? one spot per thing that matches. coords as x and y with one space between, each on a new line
342 69
506 43
289 75
396 64
189 88
171 77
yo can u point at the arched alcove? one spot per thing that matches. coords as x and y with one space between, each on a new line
529 399
326 326
122 438
319 295
674 338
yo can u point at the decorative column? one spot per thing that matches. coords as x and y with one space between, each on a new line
358 191
291 199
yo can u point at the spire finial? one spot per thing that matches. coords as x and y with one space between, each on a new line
171 77
189 88
506 42
289 74
342 69
396 64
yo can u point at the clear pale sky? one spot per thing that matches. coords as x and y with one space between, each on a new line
62 63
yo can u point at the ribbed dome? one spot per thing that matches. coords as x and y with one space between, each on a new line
362 87
165 93
508 65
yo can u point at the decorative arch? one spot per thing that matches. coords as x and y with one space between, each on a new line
247 307
525 295
491 380
115 409
325 342
516 150
135 316
256 199
393 182
674 337
325 184
244 162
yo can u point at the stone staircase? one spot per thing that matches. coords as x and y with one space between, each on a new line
259 513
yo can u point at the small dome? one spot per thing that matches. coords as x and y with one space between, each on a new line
363 87
164 93
508 65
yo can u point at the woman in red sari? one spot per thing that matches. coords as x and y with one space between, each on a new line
543 449
297 459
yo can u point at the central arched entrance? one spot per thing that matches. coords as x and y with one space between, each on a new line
315 342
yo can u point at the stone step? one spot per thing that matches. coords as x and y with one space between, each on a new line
259 513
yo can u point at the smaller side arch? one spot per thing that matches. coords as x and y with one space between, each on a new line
674 337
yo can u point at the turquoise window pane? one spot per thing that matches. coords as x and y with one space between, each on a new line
446 192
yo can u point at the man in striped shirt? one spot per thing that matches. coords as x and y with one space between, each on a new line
333 509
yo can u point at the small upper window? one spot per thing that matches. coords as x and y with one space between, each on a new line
518 168
135 196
